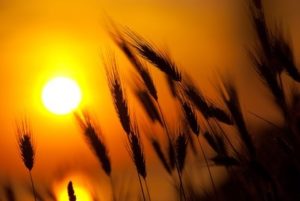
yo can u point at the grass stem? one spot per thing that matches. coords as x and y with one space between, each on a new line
32 185
172 147
208 168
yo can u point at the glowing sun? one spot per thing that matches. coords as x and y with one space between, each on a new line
61 95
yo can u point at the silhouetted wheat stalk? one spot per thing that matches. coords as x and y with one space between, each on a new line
158 59
122 110
231 99
274 55
207 108
209 111
71 192
137 64
137 156
181 150
147 102
158 150
191 119
94 138
283 54
172 151
190 116
118 95
26 149
217 143
171 154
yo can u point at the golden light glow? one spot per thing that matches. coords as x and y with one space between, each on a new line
61 95
81 194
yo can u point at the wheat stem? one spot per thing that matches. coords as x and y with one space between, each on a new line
141 185
32 185
172 147
147 188
112 188
208 168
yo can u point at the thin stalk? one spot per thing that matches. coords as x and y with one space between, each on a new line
139 177
112 189
171 143
208 168
265 120
141 185
147 189
32 185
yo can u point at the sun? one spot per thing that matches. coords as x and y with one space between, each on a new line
61 95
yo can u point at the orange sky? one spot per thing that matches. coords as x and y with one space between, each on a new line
43 39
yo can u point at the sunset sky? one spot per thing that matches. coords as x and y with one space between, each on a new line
40 40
